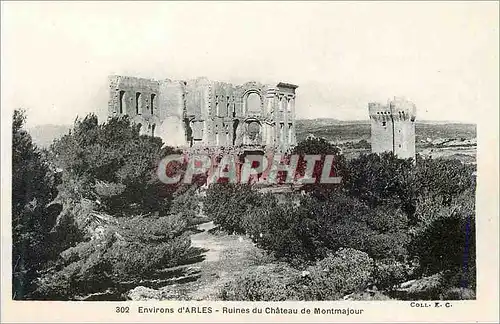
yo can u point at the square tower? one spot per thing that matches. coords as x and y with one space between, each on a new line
393 127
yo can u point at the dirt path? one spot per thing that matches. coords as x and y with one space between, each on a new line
225 258
205 240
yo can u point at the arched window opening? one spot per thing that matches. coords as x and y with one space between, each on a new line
122 102
282 103
253 103
153 127
216 105
235 128
138 103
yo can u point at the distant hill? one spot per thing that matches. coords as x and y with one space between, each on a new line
355 130
44 135
331 121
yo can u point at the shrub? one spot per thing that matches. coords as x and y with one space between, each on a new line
284 229
263 283
443 240
257 257
369 296
321 147
126 259
186 202
254 221
113 255
390 272
81 270
383 179
444 178
425 288
428 209
463 277
442 285
346 271
312 228
152 229
108 189
458 294
226 204
448 241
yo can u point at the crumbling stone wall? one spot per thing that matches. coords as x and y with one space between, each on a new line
137 98
208 113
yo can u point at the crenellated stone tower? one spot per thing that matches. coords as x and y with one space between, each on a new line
393 127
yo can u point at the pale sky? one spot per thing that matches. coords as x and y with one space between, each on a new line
443 56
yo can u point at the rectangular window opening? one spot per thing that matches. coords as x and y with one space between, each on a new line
153 99
122 101
137 102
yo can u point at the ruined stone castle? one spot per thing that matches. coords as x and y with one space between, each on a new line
205 113
393 127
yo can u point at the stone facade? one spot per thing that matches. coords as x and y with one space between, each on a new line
205 113
393 127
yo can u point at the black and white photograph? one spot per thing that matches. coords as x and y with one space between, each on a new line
227 151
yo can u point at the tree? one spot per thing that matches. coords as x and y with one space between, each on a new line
111 194
115 165
227 204
319 146
33 188
444 178
383 179
445 240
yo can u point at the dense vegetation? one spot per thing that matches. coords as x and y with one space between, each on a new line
33 188
406 220
90 215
